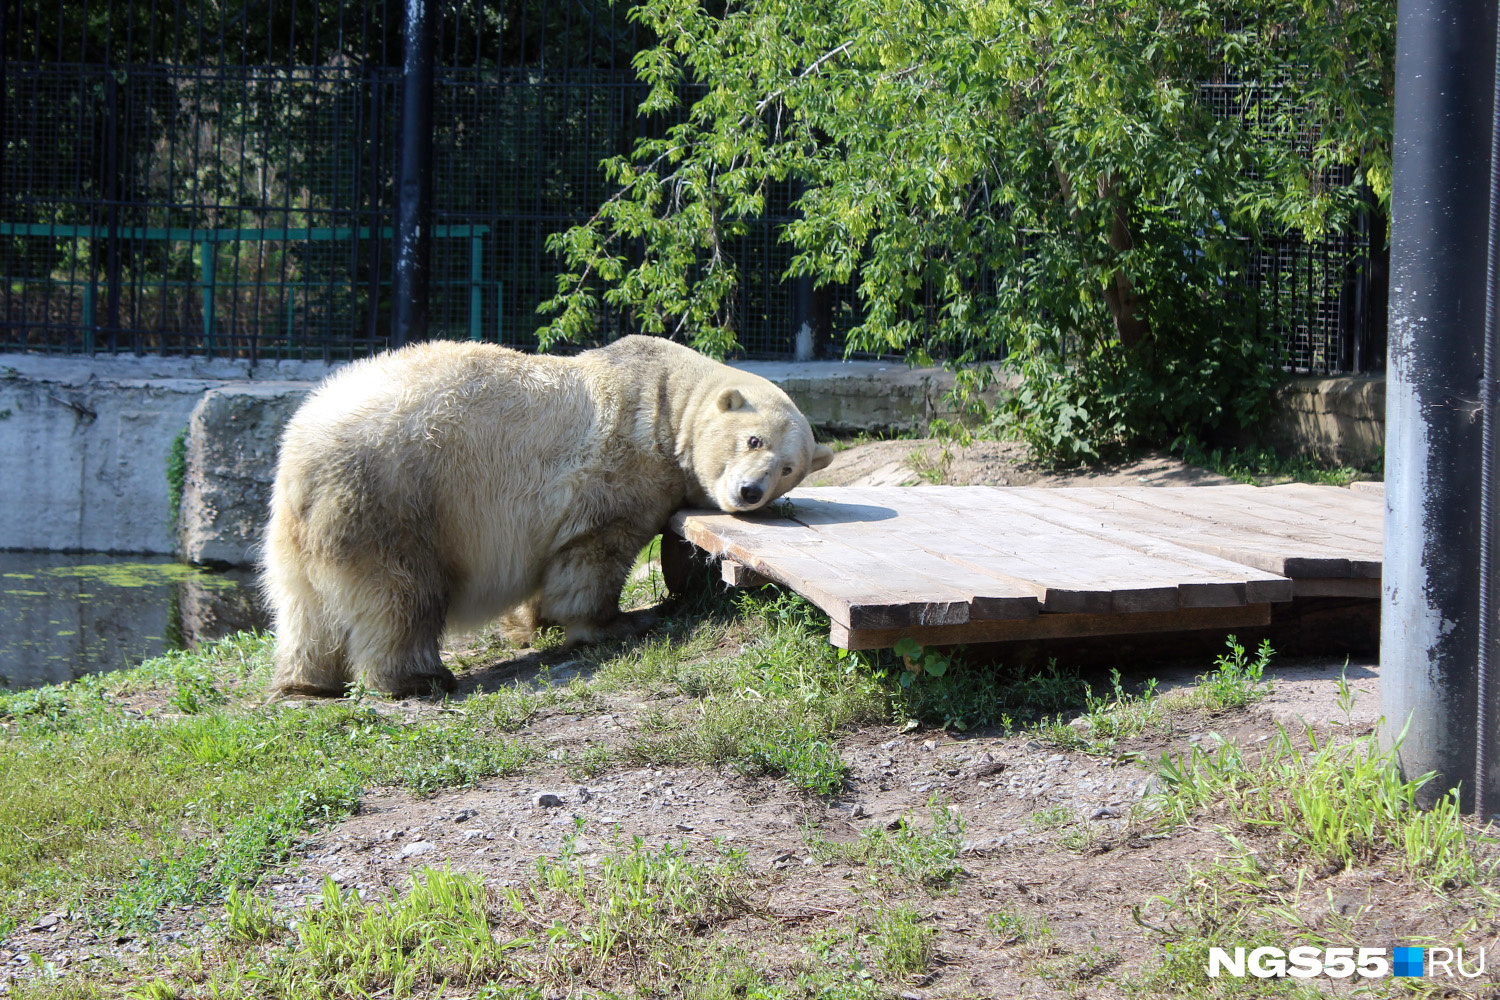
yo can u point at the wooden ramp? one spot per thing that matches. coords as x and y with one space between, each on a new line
984 564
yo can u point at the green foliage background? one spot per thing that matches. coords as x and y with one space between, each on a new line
1039 179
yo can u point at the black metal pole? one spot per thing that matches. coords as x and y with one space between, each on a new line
414 179
112 211
1445 66
1485 688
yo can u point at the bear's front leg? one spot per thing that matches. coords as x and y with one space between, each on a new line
582 584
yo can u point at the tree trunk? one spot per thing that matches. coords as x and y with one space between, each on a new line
1120 294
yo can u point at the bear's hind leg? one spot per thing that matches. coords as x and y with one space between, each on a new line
310 651
521 623
393 644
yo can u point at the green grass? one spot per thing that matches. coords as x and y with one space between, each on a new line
909 855
1260 466
1106 719
1339 803
128 792
769 709
172 785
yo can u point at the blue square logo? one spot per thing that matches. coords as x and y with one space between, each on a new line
1408 962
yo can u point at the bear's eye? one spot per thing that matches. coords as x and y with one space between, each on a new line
786 470
753 443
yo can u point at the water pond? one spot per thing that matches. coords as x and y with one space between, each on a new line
63 616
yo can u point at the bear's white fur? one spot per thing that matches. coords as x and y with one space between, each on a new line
446 484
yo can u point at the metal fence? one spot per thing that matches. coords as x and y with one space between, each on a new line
220 180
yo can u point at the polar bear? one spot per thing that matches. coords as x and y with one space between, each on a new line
446 484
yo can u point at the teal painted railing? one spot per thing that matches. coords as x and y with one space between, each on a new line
208 262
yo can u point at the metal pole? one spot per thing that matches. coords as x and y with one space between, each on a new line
112 211
1490 366
414 181
1430 606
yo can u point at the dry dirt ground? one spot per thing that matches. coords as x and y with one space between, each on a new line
1063 892
992 463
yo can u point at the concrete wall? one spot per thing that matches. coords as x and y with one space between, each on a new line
1337 419
84 442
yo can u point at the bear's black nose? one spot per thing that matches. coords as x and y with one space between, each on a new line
751 493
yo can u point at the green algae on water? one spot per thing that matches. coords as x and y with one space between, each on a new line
139 574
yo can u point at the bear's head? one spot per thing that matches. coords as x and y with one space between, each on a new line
750 447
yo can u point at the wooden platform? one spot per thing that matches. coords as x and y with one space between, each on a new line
983 564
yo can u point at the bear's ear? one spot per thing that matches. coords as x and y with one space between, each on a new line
730 399
822 455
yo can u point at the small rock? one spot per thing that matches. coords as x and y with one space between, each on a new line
464 815
1105 812
859 811
417 848
547 800
684 828
584 795
472 834
1056 758
49 922
929 744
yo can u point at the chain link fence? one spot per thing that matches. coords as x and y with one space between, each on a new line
218 180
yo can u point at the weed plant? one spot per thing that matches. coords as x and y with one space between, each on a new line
908 854
1236 680
1106 719
903 943
1009 927
969 696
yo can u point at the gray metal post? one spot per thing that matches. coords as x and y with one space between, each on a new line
1430 609
414 180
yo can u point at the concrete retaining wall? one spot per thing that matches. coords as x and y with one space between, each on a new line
84 443
1337 419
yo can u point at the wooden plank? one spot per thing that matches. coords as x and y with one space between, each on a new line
1340 513
1351 587
1204 581
1229 528
846 582
737 574
1025 551
882 523
1089 573
1057 627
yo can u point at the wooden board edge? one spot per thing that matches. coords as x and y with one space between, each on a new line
1049 626
1347 587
